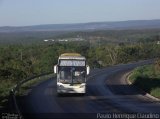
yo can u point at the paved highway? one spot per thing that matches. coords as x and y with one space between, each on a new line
107 93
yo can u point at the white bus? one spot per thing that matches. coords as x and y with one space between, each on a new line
71 73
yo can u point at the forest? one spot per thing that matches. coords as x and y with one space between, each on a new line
19 61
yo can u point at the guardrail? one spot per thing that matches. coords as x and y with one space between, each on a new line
12 97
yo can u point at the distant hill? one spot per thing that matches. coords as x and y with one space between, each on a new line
120 25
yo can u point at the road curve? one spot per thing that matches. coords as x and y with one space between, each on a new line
107 92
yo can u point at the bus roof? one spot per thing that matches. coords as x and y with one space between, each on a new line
71 56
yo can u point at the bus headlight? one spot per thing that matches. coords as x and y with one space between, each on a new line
82 85
60 86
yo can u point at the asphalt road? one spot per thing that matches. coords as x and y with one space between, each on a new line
107 93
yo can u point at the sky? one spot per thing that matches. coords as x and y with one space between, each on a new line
35 12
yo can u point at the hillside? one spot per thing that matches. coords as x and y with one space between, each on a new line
119 25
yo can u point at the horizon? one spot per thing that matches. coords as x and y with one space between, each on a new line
29 13
81 23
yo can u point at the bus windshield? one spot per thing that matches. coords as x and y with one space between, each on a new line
71 74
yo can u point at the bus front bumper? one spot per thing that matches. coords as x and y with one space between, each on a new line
67 88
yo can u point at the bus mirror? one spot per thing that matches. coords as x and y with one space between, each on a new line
55 69
88 69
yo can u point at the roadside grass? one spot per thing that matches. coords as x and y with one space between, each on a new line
147 78
7 85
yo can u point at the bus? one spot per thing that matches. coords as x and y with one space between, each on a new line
71 73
